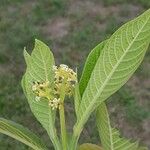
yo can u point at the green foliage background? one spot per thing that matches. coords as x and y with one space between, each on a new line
71 29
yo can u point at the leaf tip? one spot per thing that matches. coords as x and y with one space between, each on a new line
26 55
38 42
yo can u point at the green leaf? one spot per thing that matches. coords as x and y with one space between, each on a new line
119 59
39 68
89 146
89 66
77 97
110 137
21 134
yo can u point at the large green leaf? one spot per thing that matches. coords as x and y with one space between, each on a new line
120 57
89 66
110 137
39 68
21 134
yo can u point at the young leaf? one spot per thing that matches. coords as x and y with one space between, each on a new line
89 146
120 57
39 68
21 134
89 66
110 137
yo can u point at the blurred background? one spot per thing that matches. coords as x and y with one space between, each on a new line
71 28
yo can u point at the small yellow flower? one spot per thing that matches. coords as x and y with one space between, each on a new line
64 78
55 103
42 90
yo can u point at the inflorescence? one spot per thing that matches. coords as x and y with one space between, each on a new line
64 81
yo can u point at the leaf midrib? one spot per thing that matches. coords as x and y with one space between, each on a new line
44 63
79 125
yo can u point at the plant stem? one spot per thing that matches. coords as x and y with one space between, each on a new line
74 141
56 143
63 126
62 119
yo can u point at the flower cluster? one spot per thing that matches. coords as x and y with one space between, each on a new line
43 90
65 79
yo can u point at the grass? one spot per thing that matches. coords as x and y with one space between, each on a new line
128 100
22 21
144 3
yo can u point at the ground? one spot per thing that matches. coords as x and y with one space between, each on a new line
71 28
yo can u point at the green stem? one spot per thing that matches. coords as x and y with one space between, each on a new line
63 126
62 119
75 138
56 144
74 142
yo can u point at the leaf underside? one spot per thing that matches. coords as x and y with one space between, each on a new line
21 134
118 60
110 137
39 68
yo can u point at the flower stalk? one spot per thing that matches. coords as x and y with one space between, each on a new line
63 127
62 118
